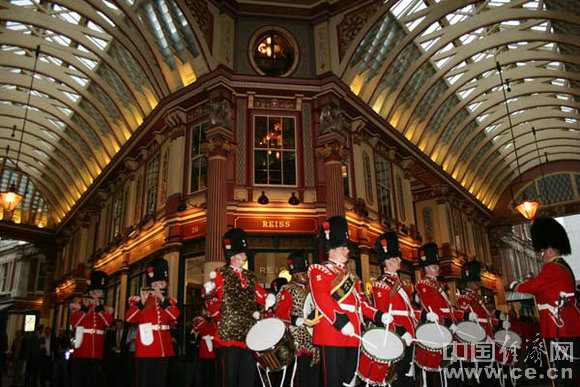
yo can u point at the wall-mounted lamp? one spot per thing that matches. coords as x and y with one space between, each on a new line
294 201
263 199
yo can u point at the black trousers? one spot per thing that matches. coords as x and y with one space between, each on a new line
307 375
565 366
85 372
152 372
404 367
338 365
238 367
208 372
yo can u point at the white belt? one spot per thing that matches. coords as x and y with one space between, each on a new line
160 327
553 309
93 332
347 307
445 310
405 313
482 320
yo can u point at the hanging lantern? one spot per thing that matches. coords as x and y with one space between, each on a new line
527 207
10 199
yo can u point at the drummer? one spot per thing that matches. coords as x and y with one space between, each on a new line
393 294
339 299
290 308
471 303
238 294
432 295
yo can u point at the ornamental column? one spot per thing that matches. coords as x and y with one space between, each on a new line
217 148
333 152
176 121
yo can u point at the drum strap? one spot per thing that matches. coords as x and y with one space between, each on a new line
341 291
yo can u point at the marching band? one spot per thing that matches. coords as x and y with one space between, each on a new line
321 328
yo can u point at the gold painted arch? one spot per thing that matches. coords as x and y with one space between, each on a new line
429 68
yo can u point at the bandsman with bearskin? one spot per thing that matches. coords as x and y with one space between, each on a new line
290 307
90 318
238 295
391 294
554 288
155 313
340 301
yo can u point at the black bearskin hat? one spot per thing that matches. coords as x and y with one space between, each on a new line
157 270
298 262
234 242
471 271
387 246
548 232
97 280
428 255
334 233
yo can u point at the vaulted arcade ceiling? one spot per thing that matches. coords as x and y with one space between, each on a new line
428 67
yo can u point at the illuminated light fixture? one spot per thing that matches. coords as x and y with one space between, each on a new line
11 198
263 199
527 208
294 201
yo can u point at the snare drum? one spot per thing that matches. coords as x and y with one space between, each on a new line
467 334
378 365
272 344
433 350
506 344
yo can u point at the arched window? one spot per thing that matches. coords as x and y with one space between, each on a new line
401 198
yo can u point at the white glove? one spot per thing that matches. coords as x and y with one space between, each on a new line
348 329
432 317
386 319
407 338
208 342
512 285
209 287
506 324
472 316
453 328
502 316
299 322
270 301
256 315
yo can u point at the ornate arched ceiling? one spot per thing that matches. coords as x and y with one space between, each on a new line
430 68
102 67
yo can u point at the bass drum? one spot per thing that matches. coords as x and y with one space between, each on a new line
271 343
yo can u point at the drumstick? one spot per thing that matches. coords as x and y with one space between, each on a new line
387 327
437 322
477 318
365 341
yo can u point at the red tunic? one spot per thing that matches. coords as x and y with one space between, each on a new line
434 298
336 315
93 324
215 309
470 300
554 278
390 293
207 330
161 317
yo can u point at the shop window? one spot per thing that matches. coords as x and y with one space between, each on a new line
113 295
151 181
269 265
401 198
198 161
274 150
4 277
192 303
383 178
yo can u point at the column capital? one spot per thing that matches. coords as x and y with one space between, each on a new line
218 142
332 150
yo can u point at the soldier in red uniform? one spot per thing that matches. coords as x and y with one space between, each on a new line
392 294
471 304
290 308
205 327
154 312
238 295
339 299
90 319
554 289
